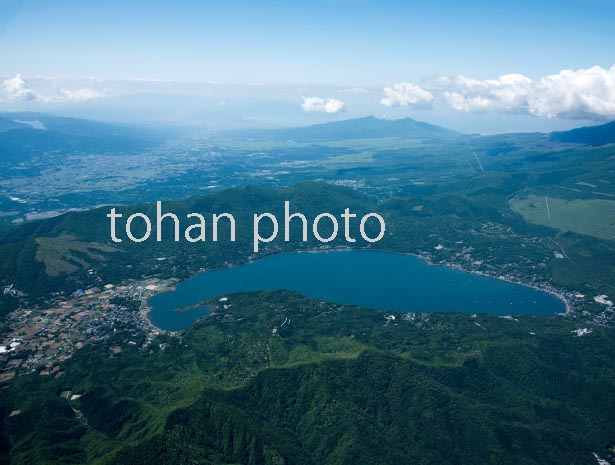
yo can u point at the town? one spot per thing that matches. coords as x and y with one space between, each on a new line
40 338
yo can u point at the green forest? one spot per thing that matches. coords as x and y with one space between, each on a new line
338 385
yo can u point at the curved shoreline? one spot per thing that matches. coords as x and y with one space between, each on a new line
146 308
551 291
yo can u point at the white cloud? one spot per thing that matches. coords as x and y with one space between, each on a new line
16 89
584 93
508 93
321 105
406 94
78 95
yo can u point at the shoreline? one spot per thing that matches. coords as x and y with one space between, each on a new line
146 308
554 292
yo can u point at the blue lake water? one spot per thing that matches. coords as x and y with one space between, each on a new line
375 279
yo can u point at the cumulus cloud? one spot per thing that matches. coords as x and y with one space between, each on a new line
584 93
575 94
321 105
406 94
16 89
508 93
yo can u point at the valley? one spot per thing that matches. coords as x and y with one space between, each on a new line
527 209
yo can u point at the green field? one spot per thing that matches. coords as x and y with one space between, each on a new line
593 217
65 254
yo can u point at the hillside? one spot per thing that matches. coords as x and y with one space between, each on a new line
591 135
337 385
54 255
8 124
24 136
39 256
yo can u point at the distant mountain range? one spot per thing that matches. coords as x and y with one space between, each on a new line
590 135
26 135
372 127
8 124
357 128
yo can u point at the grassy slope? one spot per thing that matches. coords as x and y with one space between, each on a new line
595 217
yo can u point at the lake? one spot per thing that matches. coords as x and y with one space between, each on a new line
375 279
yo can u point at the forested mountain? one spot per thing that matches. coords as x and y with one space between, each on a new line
336 385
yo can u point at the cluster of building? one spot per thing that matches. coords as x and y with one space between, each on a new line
597 310
354 183
40 338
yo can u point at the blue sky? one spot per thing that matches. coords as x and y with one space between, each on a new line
292 50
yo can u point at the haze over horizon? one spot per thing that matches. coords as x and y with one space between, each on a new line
524 67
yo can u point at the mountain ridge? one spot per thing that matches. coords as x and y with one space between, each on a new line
601 134
358 128
24 136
